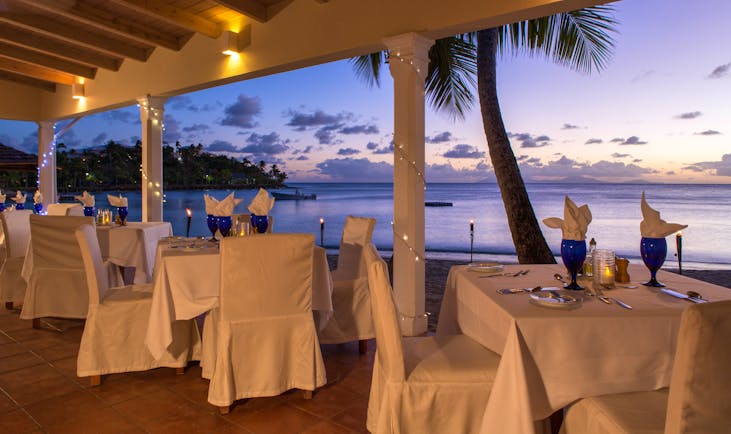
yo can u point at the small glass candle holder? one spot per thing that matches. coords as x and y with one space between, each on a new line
604 269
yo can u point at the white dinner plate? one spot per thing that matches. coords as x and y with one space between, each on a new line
485 267
546 299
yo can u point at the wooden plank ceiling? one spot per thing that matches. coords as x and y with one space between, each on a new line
45 43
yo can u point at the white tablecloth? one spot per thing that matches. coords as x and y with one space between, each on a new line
133 245
186 285
552 357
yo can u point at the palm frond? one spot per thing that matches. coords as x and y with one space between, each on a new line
450 81
581 39
368 67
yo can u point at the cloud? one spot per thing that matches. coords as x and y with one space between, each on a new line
567 167
522 157
302 158
242 113
326 135
371 146
265 144
528 141
307 150
125 115
355 170
222 146
171 129
593 141
69 139
184 102
642 76
464 151
720 71
708 133
99 139
442 137
631 140
570 127
196 128
301 121
448 173
618 155
360 129
717 168
689 115
383 150
637 160
348 151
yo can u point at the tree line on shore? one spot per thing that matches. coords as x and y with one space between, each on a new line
119 167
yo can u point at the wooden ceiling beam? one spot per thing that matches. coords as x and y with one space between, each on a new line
250 8
76 35
173 15
34 71
31 56
92 15
58 48
28 81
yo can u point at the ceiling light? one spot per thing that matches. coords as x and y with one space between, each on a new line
232 43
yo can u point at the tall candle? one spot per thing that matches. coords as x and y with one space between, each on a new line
679 247
472 226
187 229
322 231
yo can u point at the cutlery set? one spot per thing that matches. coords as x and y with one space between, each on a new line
516 274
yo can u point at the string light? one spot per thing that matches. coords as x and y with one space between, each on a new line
50 154
405 238
155 115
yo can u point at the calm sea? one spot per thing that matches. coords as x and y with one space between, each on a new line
615 208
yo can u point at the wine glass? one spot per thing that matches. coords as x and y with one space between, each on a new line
224 225
260 223
573 254
212 222
89 211
653 251
37 208
122 212
19 206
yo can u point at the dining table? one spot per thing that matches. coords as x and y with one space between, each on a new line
186 284
555 353
131 245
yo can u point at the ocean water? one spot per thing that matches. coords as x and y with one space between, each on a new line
706 209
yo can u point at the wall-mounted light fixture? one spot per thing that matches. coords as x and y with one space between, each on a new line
77 90
235 42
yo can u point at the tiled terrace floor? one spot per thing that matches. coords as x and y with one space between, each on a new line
40 392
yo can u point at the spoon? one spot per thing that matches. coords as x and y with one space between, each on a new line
695 295
559 277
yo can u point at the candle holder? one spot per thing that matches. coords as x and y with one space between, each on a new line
604 268
472 238
679 249
189 214
322 232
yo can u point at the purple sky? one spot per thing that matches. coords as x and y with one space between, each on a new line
659 112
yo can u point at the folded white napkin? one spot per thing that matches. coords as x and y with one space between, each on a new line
37 197
226 206
211 204
19 197
262 203
117 201
575 221
652 226
86 199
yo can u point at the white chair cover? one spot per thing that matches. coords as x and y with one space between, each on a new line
698 398
436 384
261 340
351 319
114 333
16 229
65 209
57 284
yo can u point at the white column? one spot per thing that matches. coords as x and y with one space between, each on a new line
408 63
47 162
152 111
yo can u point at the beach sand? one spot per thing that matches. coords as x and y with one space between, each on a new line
438 269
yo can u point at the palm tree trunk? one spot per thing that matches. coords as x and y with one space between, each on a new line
529 242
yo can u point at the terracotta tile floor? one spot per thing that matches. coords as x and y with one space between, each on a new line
40 392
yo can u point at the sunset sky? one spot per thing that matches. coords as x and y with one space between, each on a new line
660 112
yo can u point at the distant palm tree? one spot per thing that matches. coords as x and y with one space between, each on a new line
581 40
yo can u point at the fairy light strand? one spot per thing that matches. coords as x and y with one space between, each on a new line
155 115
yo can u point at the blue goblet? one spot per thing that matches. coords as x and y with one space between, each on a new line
2 207
37 208
19 206
89 211
653 251
224 225
573 254
260 223
122 213
212 222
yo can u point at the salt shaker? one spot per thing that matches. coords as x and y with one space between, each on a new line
622 273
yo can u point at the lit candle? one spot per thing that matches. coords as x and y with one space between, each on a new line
679 247
472 225
608 276
187 229
322 231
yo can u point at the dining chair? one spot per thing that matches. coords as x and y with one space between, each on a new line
351 320
65 209
433 384
261 339
116 323
697 400
16 230
57 284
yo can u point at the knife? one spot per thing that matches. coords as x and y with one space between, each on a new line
621 303
677 294
600 295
